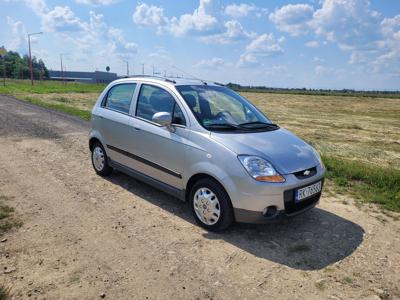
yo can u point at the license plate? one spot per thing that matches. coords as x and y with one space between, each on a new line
308 191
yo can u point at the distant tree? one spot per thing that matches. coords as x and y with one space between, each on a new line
17 66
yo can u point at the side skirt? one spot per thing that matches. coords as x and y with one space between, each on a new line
173 191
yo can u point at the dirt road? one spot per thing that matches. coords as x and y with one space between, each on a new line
84 235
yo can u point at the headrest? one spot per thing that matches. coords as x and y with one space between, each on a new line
190 100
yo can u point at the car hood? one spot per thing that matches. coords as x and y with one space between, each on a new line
287 152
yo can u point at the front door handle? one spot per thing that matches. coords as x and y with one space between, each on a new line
136 127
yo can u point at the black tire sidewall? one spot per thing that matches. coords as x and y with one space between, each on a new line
106 168
226 216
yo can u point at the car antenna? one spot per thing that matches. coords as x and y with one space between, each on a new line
194 77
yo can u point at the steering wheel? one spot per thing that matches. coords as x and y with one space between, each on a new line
222 114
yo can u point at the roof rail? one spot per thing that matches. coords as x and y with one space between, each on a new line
152 76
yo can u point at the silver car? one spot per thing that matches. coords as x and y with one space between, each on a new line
203 143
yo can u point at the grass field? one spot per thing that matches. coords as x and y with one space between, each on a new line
359 137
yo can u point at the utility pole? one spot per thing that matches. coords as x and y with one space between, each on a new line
30 53
127 67
142 69
62 70
4 70
62 67
3 53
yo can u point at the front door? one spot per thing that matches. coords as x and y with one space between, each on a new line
160 151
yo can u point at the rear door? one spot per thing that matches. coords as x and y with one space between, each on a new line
115 120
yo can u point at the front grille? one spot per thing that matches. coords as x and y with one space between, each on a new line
292 207
311 172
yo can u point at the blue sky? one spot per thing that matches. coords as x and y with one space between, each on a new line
313 44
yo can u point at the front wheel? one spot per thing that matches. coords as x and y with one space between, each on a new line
211 206
100 161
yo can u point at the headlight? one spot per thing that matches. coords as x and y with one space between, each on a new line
260 169
319 158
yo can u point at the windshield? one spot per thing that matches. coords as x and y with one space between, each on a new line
220 108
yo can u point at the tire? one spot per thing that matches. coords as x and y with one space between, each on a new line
203 190
100 160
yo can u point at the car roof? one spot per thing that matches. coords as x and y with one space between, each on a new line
168 81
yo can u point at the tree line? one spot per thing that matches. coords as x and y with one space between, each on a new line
305 91
17 66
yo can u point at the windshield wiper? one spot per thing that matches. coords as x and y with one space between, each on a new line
222 126
262 125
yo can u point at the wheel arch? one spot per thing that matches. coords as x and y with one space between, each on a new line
92 141
196 177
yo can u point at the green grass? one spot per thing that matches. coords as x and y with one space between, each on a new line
374 184
7 220
80 113
45 87
4 293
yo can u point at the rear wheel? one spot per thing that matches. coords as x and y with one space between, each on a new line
100 160
211 206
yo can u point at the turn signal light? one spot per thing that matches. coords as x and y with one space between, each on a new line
273 178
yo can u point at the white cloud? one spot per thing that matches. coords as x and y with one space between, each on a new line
38 6
389 57
234 32
239 10
96 2
149 15
247 60
265 45
321 70
293 18
262 46
317 59
312 44
109 40
214 63
357 58
351 23
61 18
201 21
18 32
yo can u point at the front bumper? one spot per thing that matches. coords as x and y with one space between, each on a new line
282 199
291 210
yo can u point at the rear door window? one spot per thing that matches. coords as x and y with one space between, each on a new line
119 97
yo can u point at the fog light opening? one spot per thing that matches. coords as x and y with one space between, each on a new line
270 211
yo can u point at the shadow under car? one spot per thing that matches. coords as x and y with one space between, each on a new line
310 241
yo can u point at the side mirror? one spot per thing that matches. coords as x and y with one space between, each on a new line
162 118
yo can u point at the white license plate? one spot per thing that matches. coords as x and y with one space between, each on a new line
308 191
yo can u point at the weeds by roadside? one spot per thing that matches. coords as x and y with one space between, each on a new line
5 293
7 219
366 182
80 113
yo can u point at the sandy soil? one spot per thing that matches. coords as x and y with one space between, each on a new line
86 237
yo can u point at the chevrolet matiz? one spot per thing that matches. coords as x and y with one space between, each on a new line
204 143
